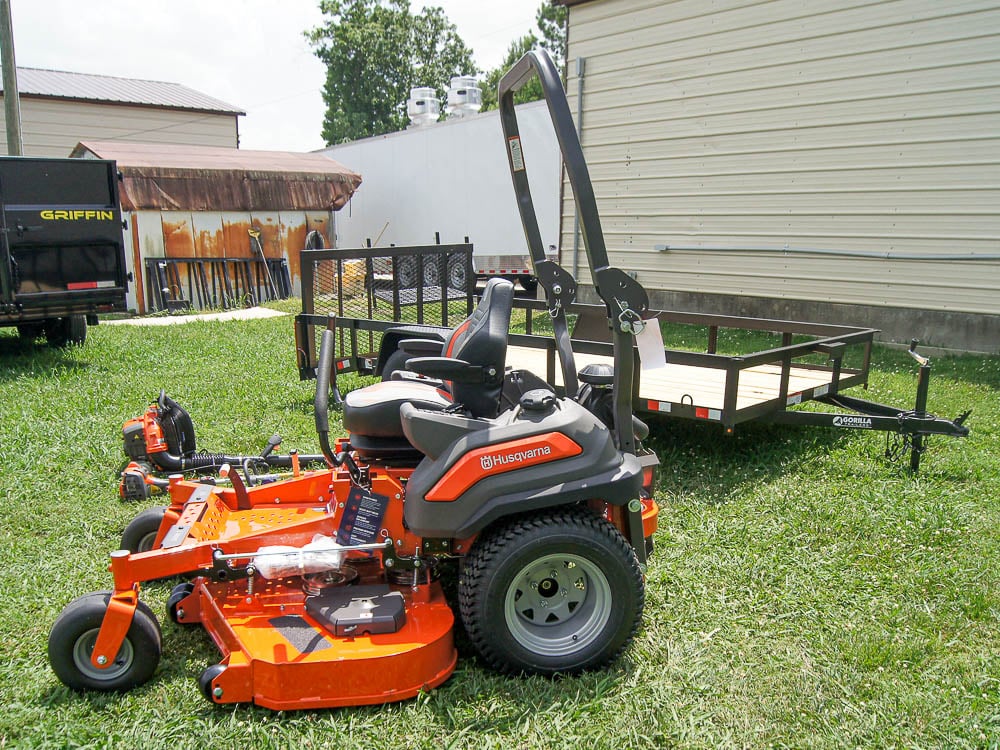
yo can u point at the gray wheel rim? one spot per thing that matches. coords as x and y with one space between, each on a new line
84 647
558 604
146 541
457 276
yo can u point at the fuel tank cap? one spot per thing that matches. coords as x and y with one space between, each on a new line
538 400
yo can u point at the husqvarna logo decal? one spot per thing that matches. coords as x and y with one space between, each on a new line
503 459
500 458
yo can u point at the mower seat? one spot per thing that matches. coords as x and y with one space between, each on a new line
470 371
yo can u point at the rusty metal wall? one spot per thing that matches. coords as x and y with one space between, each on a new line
221 234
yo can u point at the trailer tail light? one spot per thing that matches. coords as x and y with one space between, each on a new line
74 286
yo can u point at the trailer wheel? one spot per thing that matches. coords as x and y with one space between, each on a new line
65 331
458 274
556 592
140 534
406 272
72 639
432 272
528 283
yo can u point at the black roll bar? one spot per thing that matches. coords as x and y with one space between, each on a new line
625 299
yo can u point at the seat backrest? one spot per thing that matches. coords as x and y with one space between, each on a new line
482 340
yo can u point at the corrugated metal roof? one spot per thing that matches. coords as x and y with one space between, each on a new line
60 84
160 176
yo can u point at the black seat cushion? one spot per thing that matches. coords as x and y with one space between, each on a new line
374 411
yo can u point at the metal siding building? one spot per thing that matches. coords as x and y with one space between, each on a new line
59 109
799 159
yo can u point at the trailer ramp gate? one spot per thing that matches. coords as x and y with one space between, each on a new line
418 290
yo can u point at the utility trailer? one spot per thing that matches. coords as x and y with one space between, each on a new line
811 361
62 258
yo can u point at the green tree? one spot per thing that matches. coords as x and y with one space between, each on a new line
375 51
531 90
551 20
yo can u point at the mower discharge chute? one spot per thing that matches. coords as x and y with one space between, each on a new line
322 589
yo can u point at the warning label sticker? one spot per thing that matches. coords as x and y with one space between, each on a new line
362 519
516 154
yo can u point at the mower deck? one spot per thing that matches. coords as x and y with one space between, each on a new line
278 655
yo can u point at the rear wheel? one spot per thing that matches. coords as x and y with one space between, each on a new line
72 639
560 591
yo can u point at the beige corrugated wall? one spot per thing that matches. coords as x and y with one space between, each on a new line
869 127
52 127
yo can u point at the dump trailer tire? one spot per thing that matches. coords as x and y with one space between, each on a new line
140 534
555 592
65 331
72 639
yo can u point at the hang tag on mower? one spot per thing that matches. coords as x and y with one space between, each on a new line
650 342
362 519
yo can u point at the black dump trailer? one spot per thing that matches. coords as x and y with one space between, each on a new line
62 258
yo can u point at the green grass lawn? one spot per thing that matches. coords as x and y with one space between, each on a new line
804 592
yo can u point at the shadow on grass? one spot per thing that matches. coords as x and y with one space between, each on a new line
701 458
21 358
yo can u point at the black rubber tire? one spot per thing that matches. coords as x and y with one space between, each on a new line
595 586
178 593
72 638
65 331
396 361
205 680
528 283
141 531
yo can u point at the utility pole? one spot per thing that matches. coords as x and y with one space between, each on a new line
11 98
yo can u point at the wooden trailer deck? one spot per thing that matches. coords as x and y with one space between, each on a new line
698 386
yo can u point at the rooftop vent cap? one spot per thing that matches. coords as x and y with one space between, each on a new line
423 106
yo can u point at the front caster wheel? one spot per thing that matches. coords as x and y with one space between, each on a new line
179 593
140 534
206 680
556 592
72 639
